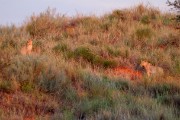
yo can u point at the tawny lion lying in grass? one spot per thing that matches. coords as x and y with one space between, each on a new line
152 70
26 50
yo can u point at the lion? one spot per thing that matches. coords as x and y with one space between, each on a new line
152 70
27 50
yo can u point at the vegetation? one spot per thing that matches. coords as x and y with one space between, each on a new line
71 71
176 6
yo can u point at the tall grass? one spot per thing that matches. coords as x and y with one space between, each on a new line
66 76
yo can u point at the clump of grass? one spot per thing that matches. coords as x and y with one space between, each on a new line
171 40
60 48
27 87
6 86
145 19
119 14
95 85
91 23
25 67
105 26
113 52
64 49
45 24
25 70
37 44
87 54
162 89
122 85
90 106
94 42
50 81
177 67
143 33
109 64
166 21
8 43
68 115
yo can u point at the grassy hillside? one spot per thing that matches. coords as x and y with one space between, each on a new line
83 67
